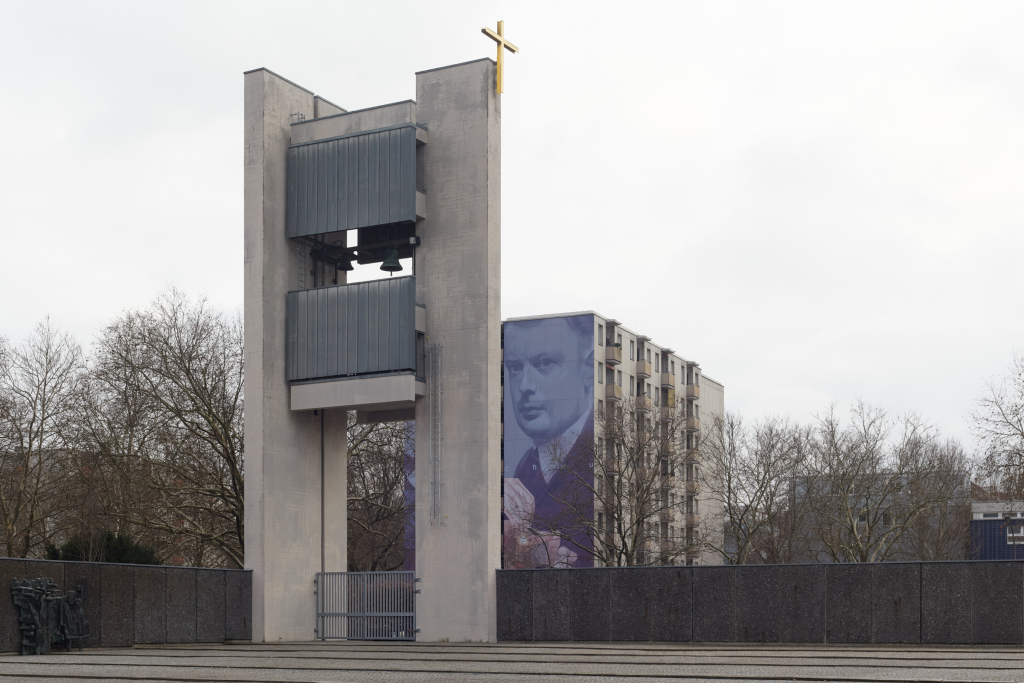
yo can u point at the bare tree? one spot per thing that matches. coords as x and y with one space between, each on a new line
39 390
748 473
173 425
867 491
942 532
377 508
998 424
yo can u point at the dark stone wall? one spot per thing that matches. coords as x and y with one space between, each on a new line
757 603
671 603
238 613
150 604
714 604
896 603
551 601
180 597
802 603
10 636
128 604
630 604
946 602
515 615
848 603
899 602
997 594
590 615
118 613
210 606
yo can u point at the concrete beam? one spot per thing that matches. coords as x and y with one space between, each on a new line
357 121
388 392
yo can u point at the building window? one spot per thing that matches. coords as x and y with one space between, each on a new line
648 355
600 407
600 335
631 345
618 377
672 367
631 385
656 359
618 340
600 374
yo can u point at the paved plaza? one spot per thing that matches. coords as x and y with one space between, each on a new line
366 662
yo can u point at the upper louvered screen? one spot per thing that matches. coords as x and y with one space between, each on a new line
353 181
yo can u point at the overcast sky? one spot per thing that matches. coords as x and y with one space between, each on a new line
816 201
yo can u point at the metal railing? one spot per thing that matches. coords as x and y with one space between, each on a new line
365 605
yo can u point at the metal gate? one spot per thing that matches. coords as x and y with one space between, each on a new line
366 605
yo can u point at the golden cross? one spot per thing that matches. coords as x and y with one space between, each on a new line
499 38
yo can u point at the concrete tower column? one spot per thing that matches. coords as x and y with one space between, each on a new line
295 461
458 272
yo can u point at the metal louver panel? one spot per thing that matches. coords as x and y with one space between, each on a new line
353 181
363 328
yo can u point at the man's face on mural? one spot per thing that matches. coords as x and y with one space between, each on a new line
546 368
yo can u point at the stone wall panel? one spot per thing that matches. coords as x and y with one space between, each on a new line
802 603
238 606
946 602
10 631
671 603
997 603
210 607
117 589
630 603
848 603
181 604
589 615
896 602
551 605
150 604
714 604
515 605
757 603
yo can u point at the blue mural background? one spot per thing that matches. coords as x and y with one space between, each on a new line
549 405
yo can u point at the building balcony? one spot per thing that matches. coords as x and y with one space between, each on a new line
668 481
670 397
611 466
691 519
692 487
643 404
613 392
643 369
691 455
668 379
667 515
692 392
612 355
691 424
667 413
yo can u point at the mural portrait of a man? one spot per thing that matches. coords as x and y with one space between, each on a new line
549 391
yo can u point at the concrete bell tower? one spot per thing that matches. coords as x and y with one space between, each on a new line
325 187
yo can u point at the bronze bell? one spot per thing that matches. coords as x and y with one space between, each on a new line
391 263
344 262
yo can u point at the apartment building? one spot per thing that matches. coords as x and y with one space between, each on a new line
558 372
